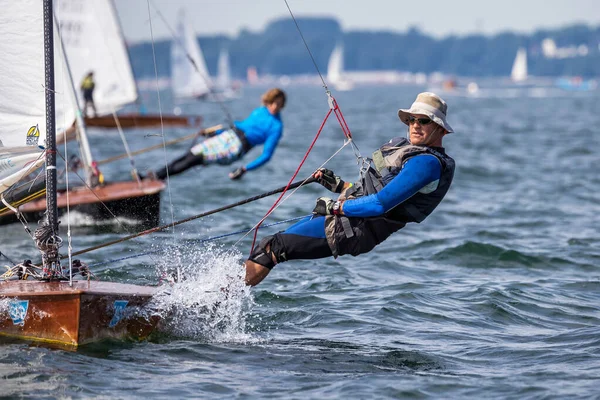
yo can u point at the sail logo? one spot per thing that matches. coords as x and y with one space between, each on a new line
119 307
18 311
33 136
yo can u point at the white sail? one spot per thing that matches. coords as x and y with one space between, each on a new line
22 98
14 167
335 65
335 70
519 68
188 80
22 101
68 109
93 41
65 98
223 72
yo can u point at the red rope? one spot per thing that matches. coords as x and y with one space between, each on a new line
346 131
341 119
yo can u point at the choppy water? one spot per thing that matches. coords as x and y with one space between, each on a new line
495 295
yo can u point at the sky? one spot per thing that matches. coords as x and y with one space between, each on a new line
435 17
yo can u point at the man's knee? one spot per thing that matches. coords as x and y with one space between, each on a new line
268 253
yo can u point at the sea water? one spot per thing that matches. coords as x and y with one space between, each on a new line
495 295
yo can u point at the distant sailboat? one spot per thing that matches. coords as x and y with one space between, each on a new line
519 68
224 85
94 42
335 70
189 74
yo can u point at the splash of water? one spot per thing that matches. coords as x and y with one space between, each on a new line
4 305
206 297
77 218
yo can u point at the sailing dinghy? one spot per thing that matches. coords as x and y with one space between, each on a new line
94 41
44 303
189 74
137 201
335 70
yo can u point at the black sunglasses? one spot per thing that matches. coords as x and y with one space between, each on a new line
421 121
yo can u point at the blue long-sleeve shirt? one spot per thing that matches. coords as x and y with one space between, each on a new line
262 127
417 172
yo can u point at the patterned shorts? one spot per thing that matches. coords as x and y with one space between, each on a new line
224 148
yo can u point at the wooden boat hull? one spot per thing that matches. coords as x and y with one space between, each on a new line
128 121
128 200
142 121
87 312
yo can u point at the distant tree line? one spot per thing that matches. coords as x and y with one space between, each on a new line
279 50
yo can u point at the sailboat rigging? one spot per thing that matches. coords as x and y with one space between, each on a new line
52 308
138 201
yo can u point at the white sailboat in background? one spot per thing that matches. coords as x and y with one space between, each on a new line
189 74
335 70
519 68
94 41
225 87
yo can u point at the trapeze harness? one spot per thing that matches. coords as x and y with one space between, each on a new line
357 235
386 164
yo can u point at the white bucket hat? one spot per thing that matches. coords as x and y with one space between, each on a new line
429 104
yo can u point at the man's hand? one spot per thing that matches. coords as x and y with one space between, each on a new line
211 130
326 206
329 180
237 174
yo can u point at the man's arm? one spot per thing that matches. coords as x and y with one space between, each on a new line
417 172
267 153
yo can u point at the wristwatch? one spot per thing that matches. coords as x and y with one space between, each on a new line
336 208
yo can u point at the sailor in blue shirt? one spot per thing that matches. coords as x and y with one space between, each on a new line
407 180
263 126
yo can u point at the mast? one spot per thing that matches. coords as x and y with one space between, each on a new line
51 254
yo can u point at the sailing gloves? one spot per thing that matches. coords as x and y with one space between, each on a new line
331 181
326 206
237 174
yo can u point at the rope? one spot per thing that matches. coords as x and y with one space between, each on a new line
196 241
291 180
95 195
292 193
162 129
134 171
306 45
204 214
48 242
333 107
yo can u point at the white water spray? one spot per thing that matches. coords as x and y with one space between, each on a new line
204 295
